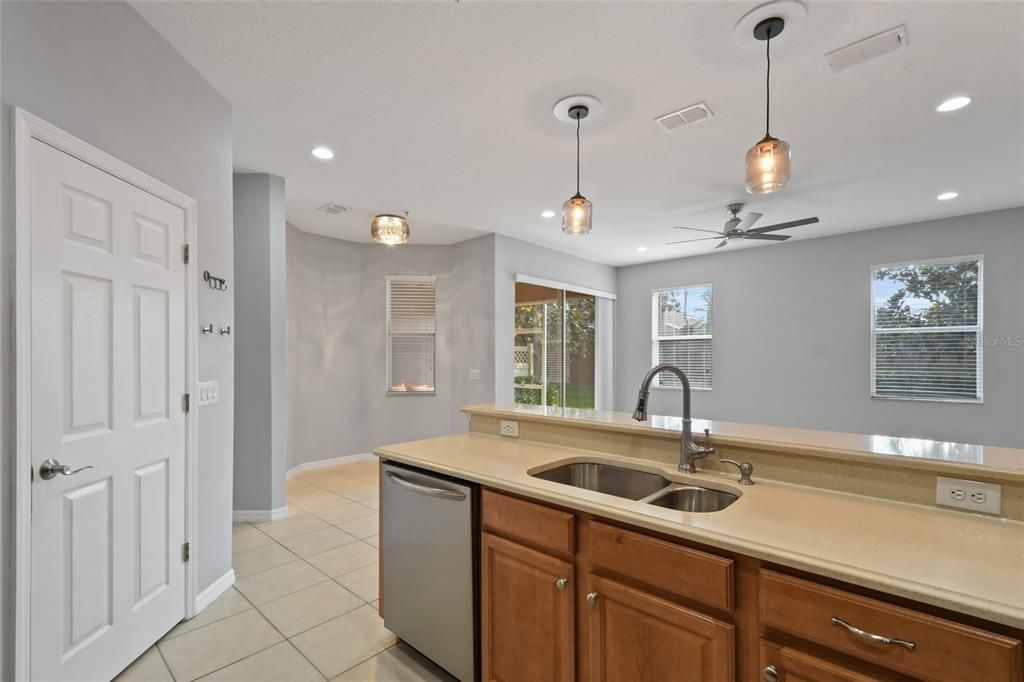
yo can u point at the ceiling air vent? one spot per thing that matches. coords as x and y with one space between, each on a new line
333 209
695 113
869 48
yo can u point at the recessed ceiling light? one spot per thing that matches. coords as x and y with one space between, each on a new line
953 103
946 196
322 153
547 214
641 249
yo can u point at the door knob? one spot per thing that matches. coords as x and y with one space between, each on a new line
51 467
562 583
770 674
592 598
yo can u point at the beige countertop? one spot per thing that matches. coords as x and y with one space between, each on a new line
962 562
961 459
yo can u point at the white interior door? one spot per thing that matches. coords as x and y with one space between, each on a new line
108 376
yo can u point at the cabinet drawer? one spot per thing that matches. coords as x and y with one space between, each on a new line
532 523
688 573
943 651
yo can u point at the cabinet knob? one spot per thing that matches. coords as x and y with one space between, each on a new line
770 674
562 583
592 598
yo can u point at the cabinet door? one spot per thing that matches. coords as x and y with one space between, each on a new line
527 619
635 636
782 664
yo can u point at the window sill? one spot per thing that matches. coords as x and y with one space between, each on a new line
679 388
957 401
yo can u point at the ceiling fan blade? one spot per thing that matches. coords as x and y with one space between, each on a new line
687 241
782 226
771 237
748 221
722 243
696 229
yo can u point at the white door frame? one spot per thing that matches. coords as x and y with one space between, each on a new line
26 128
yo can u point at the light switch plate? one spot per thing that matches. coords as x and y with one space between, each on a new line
510 428
970 495
474 375
209 392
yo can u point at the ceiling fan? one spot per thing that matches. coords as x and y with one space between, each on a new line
742 228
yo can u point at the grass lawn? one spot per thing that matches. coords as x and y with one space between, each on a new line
579 396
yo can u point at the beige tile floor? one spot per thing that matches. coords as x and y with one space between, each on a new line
304 604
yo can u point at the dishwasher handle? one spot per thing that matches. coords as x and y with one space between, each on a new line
423 489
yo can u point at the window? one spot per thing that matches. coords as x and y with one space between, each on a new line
926 330
411 325
682 334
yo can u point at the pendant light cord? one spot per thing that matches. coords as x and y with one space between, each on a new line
577 156
767 83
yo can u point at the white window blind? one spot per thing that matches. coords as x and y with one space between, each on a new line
682 334
926 320
411 329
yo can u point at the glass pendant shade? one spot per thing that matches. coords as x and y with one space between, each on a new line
768 166
577 215
389 229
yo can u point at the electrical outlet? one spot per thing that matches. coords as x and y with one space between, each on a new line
510 428
474 375
970 495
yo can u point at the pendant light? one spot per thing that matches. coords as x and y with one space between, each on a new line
768 160
389 229
577 211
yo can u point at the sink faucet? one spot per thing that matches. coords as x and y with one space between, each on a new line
689 451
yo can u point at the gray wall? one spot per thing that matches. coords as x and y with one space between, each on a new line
792 325
512 257
99 71
261 407
336 341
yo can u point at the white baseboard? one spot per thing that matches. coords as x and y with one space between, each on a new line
259 515
219 587
322 463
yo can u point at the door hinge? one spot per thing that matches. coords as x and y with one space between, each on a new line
186 402
184 552
186 254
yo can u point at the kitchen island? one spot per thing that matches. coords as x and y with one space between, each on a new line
765 563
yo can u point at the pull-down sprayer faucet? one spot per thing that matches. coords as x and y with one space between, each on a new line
689 451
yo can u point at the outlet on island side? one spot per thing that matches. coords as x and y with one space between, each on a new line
510 428
970 495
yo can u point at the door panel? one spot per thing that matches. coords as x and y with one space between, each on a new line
527 619
108 372
635 636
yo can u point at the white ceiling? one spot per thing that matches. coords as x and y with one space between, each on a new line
444 109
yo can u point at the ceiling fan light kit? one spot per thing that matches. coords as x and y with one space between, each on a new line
768 161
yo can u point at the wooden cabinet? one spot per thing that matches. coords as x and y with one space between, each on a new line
632 635
783 664
527 619
639 607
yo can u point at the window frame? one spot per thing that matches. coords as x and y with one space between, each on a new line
656 338
978 329
388 335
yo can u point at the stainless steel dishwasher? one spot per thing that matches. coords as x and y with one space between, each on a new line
429 553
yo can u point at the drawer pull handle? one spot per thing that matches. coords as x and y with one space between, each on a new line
562 583
770 674
592 598
876 639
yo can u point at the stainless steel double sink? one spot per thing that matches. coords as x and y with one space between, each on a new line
642 486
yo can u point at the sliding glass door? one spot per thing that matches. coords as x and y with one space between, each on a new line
555 334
